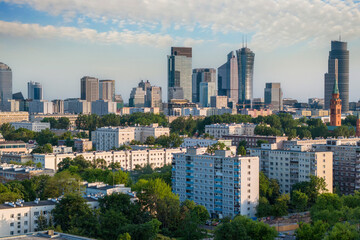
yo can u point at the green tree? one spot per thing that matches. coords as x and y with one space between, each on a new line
47 148
307 231
46 136
63 183
299 200
343 231
280 207
42 222
259 142
311 188
124 236
150 140
241 151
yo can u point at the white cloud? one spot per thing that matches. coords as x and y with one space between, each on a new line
273 23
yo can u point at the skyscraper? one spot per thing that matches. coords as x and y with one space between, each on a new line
273 96
153 97
201 75
228 79
338 65
207 90
180 72
35 91
5 87
245 59
107 90
89 89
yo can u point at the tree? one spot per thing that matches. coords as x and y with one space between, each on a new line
307 231
63 183
280 207
190 229
124 236
241 151
72 213
244 228
263 209
343 231
259 142
299 200
150 140
46 136
147 230
42 222
311 188
47 148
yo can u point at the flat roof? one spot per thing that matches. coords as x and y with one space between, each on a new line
41 203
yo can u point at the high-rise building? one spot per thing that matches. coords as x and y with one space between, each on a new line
245 60
145 95
58 106
179 71
338 66
35 91
273 96
107 90
153 97
89 89
5 86
207 90
201 75
335 106
228 79
137 97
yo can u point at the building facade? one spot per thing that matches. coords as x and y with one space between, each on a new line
273 96
35 91
226 184
32 126
202 75
5 87
207 90
228 79
252 141
245 61
219 130
335 106
103 107
180 72
89 89
338 67
8 117
107 90
41 106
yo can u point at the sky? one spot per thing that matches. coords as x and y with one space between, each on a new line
56 42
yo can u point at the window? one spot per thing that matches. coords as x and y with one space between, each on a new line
12 215
25 223
36 213
25 231
11 232
11 224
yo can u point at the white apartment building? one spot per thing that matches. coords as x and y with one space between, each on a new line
21 217
203 142
62 149
294 165
33 126
99 189
106 138
127 159
219 130
226 184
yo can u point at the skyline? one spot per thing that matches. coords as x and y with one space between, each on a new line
59 55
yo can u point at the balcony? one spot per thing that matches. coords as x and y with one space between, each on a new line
218 191
189 171
218 179
190 188
218 185
189 176
189 165
189 182
218 209
218 197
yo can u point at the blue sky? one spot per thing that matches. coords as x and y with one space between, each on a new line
57 42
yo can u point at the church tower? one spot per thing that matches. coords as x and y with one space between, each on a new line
335 106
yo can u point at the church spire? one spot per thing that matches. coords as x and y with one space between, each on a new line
336 87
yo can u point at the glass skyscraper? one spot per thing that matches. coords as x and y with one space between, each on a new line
5 87
338 67
245 58
228 79
180 73
107 90
35 91
201 75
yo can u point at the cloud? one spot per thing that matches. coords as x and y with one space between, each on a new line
272 23
85 34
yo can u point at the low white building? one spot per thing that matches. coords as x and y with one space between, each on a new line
153 130
226 184
219 130
62 149
127 159
203 142
99 189
21 217
33 126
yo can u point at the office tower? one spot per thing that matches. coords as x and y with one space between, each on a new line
225 183
179 72
245 58
335 106
219 101
228 79
5 86
200 75
137 97
107 90
153 97
35 91
89 89
258 103
338 65
144 85
58 106
207 90
273 96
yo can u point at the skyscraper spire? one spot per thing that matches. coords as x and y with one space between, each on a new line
336 87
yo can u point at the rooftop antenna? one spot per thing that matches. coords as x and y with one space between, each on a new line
340 37
243 41
246 41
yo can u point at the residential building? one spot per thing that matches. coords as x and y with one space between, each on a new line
153 97
82 145
21 217
309 143
62 149
35 91
226 184
273 96
41 106
58 107
38 117
15 157
11 172
252 141
180 72
32 126
103 107
245 61
107 90
346 164
5 87
99 189
219 130
8 117
202 75
12 146
203 142
89 89
128 159
294 165
153 130
255 113
46 235
338 67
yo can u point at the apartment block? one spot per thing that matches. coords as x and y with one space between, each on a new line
251 141
10 172
219 130
294 165
21 217
16 157
82 145
12 146
346 164
32 126
203 142
153 130
224 183
8 117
